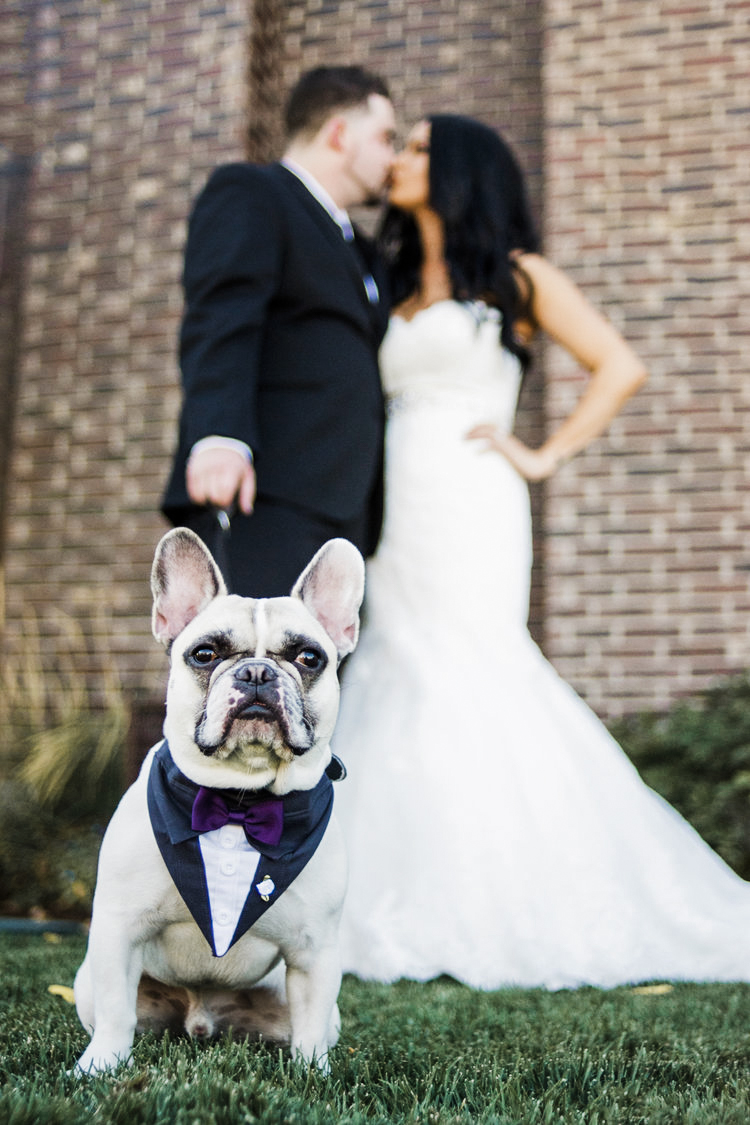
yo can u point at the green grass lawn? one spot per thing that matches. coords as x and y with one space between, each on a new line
434 1053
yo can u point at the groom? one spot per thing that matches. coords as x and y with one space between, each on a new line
285 308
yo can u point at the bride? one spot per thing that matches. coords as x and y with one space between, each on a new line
496 832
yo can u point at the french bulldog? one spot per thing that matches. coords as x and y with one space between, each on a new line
222 872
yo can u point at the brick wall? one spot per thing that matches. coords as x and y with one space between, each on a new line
123 107
648 207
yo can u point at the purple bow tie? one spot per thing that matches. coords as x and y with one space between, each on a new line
263 821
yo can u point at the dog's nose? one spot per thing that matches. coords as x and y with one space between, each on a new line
256 672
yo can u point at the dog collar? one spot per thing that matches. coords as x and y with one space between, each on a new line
170 801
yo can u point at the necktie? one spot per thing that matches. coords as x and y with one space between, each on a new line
263 821
371 288
346 228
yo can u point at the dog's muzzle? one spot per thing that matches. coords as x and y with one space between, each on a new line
256 691
258 683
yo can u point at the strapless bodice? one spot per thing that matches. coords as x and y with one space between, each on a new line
451 353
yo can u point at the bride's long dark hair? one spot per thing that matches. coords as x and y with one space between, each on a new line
477 189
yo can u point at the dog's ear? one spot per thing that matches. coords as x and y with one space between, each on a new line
184 579
332 587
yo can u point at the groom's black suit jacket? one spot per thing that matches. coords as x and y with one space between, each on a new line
279 346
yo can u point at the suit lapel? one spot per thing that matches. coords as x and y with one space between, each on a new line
327 224
170 796
351 256
168 793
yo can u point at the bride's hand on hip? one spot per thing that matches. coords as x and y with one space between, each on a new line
532 464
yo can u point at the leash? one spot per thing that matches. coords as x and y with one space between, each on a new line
223 531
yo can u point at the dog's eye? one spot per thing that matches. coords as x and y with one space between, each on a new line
203 656
310 658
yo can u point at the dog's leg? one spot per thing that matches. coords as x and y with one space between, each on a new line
110 976
312 991
84 995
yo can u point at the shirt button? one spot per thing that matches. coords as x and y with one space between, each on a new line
228 838
228 867
223 917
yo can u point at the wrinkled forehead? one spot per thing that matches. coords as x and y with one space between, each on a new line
278 617
256 625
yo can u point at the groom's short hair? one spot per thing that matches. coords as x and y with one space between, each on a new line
325 90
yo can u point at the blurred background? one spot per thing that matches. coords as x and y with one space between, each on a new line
631 121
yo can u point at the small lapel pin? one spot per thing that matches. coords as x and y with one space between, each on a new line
265 888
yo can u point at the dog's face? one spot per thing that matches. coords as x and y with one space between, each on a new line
253 688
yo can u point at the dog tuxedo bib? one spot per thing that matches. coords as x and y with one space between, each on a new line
230 857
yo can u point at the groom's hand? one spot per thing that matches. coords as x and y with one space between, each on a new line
220 476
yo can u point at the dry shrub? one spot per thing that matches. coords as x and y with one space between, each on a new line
63 727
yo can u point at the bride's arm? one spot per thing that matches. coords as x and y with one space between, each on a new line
561 310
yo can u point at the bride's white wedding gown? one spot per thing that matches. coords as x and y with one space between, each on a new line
496 832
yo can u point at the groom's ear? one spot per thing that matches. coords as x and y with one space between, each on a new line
333 132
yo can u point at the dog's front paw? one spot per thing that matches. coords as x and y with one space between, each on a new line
102 1057
307 1059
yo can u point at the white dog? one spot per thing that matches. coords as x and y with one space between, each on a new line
223 861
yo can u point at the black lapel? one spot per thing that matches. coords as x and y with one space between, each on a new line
327 224
170 802
306 817
170 794
352 256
